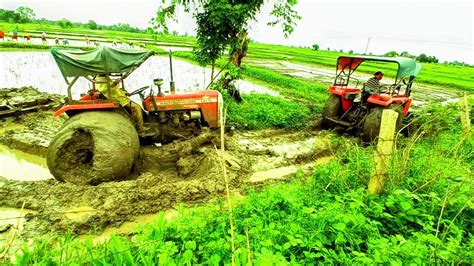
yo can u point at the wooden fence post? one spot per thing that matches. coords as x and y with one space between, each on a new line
465 120
384 150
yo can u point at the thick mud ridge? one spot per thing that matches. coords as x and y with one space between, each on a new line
187 171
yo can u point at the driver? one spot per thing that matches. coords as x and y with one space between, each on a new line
120 96
373 84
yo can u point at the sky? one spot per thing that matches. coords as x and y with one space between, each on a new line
443 28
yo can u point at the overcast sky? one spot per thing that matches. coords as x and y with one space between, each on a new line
443 28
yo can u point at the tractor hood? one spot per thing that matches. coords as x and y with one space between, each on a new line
100 61
406 66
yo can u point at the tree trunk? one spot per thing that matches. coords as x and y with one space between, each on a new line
213 65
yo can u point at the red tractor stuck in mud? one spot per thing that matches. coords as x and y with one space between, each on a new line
100 140
359 109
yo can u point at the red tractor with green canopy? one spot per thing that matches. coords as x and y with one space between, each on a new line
354 107
100 140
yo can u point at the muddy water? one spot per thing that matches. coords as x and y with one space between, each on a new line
38 69
22 166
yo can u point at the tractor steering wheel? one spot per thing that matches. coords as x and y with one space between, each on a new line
142 89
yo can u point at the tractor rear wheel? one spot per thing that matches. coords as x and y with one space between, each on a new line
93 147
372 122
332 109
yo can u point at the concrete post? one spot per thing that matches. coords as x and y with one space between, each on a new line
465 120
384 150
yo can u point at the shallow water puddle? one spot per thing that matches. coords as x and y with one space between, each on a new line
22 166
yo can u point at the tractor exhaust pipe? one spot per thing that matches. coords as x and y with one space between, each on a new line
172 87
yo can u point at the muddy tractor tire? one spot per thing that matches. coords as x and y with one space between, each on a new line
93 147
332 109
372 122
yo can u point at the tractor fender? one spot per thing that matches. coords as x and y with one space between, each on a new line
76 107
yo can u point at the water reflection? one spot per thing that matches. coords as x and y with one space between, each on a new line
22 166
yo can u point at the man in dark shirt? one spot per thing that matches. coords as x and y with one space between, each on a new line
373 84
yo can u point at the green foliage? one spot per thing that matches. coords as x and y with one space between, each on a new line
426 59
92 24
222 24
64 23
391 54
315 47
263 111
20 15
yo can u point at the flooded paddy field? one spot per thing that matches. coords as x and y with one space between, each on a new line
38 70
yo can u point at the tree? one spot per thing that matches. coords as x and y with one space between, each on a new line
92 25
391 54
423 58
25 14
8 15
64 23
20 15
222 26
405 54
315 47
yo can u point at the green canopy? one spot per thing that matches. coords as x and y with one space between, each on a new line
406 66
103 60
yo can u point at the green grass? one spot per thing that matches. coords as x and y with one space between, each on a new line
312 94
424 216
264 111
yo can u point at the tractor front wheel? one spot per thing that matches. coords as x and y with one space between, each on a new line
332 109
93 147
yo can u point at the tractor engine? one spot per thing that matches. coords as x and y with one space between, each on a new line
181 115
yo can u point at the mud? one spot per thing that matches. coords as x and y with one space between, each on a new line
186 171
29 131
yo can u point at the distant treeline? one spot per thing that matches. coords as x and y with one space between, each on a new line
27 15
422 58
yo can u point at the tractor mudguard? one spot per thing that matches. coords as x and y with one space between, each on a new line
79 106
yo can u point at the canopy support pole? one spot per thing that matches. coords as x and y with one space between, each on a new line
69 87
109 86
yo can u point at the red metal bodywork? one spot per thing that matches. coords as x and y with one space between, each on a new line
342 91
378 99
86 105
206 101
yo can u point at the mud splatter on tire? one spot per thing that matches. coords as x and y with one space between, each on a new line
93 147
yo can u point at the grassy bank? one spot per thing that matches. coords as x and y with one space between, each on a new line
424 216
